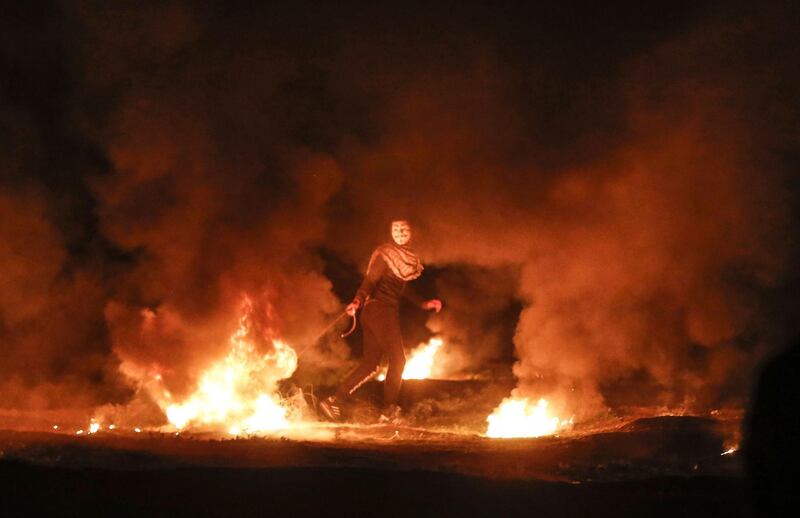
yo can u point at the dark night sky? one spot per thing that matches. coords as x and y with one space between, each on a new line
607 194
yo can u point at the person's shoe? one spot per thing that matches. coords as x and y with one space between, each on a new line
330 408
391 415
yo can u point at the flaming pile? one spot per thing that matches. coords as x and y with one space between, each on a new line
238 393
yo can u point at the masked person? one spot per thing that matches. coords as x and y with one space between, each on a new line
391 266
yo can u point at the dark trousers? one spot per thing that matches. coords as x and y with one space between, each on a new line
380 327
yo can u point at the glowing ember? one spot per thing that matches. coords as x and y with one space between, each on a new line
55 427
111 426
520 417
79 432
420 362
237 393
137 430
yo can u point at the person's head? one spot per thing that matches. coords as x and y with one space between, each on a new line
401 231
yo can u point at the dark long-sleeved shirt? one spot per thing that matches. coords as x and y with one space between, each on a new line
382 285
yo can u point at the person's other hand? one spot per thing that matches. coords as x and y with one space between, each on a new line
434 304
352 308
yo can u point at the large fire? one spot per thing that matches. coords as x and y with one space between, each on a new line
420 364
237 393
521 417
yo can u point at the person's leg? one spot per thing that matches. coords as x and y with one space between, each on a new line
331 407
391 342
394 374
366 369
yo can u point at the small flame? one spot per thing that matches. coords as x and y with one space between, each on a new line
93 427
728 451
55 427
520 417
79 432
420 362
111 426
420 365
137 430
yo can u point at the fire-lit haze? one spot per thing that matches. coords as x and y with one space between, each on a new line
606 202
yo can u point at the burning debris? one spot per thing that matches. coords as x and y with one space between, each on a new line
239 392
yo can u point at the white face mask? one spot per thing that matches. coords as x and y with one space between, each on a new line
401 232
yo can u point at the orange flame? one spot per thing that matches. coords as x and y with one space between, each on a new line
420 362
238 392
520 417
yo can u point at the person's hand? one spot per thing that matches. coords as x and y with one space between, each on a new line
434 304
352 308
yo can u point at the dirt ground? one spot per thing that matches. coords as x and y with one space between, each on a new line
663 466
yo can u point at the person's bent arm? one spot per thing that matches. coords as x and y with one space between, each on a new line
410 294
